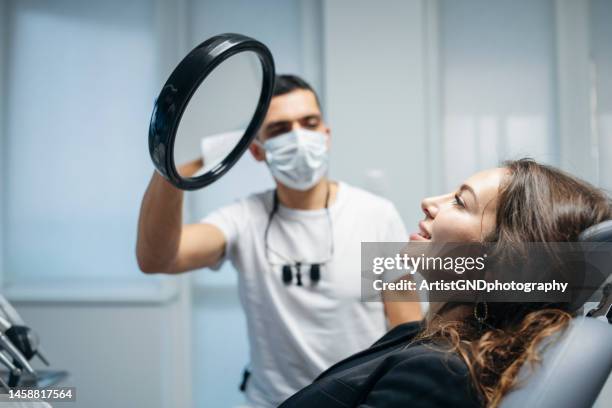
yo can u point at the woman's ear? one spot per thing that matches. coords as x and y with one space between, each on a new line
328 133
257 151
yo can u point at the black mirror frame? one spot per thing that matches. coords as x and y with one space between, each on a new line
180 87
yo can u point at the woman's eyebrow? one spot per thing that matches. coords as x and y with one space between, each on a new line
466 187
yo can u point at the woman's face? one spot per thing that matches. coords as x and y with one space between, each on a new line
464 215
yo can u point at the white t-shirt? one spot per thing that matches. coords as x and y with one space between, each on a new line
296 332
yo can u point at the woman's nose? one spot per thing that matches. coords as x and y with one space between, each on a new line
428 207
431 206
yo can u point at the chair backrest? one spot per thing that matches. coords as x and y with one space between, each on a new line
575 364
573 369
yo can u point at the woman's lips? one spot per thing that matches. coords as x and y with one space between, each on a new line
422 234
415 236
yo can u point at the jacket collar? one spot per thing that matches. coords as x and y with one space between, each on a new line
402 333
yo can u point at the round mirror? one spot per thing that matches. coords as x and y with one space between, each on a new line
210 109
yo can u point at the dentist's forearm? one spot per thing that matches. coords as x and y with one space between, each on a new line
159 226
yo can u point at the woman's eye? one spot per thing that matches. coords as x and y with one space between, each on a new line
458 201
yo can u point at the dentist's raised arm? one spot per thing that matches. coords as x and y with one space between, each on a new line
164 244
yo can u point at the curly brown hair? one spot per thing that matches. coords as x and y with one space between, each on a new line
536 203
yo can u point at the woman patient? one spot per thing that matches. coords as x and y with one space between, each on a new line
451 359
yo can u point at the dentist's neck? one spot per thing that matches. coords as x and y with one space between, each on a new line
311 199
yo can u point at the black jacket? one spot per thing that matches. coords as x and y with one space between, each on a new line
392 373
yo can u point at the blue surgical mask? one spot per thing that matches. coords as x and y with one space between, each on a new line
298 159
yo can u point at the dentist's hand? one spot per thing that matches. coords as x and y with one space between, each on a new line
190 168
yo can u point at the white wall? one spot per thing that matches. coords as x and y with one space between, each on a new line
80 83
375 94
497 65
601 40
577 141
3 42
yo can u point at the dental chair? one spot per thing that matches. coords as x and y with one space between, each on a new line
575 365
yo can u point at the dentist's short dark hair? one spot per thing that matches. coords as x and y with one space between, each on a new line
286 83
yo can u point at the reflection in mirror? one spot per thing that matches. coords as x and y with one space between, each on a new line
217 114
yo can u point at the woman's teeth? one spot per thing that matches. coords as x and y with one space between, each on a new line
419 236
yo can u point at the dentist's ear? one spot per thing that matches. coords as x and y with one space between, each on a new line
259 154
327 131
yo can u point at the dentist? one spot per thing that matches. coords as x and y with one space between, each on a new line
296 249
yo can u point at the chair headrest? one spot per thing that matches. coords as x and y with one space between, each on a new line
601 232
